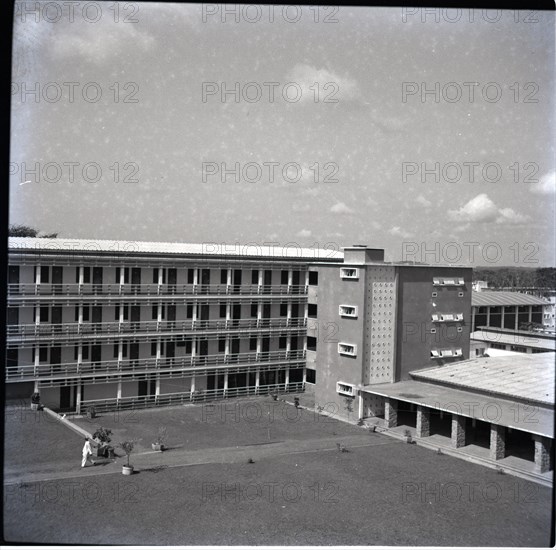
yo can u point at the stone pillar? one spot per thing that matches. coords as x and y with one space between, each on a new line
458 431
542 454
390 412
497 442
423 422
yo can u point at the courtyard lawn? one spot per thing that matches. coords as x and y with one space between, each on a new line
381 492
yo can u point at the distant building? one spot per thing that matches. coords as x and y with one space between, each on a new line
509 310
478 286
499 342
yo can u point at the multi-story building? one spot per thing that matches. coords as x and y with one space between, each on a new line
375 322
115 324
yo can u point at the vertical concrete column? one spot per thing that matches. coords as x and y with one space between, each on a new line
390 412
78 399
360 408
472 319
516 322
497 442
503 312
157 386
488 316
261 279
458 431
304 376
542 454
530 314
287 377
225 382
81 271
192 384
119 391
257 380
289 314
423 422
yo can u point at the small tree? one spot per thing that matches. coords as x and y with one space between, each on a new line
128 447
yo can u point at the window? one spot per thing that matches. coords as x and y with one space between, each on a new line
221 345
313 278
459 317
189 311
252 344
45 274
116 350
434 294
223 276
43 354
311 343
155 312
312 311
448 281
347 349
44 314
188 346
153 348
433 331
458 352
222 311
345 389
254 310
255 277
190 276
349 273
284 277
348 311
311 376
282 342
435 353
283 310
435 317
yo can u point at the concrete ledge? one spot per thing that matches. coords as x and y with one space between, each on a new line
68 424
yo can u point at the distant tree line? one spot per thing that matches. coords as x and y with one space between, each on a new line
26 231
528 277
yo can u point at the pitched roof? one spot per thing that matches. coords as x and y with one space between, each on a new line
266 251
493 298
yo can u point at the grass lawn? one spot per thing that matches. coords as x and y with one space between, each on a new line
387 493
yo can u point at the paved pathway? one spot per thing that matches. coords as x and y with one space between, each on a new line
178 456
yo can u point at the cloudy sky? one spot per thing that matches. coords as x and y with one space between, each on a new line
124 116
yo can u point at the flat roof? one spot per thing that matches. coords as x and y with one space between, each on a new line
490 298
527 376
505 412
88 246
519 338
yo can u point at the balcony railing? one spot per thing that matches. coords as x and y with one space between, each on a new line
48 331
165 399
150 365
130 289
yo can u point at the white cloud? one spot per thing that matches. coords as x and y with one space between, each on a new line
546 185
330 85
510 217
397 231
304 233
341 208
481 209
423 201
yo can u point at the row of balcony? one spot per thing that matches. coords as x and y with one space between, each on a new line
131 289
149 365
55 331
